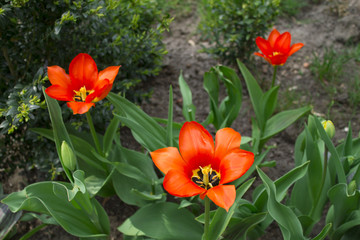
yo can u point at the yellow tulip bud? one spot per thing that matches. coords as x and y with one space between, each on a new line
68 156
329 128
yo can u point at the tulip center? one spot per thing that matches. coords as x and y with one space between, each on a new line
276 53
82 94
205 177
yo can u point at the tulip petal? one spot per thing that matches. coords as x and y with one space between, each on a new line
264 46
80 107
282 44
58 76
101 90
168 158
235 164
83 71
278 59
272 37
178 183
60 93
196 145
226 140
222 195
294 48
109 73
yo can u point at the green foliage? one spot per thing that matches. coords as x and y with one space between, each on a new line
292 7
35 34
232 25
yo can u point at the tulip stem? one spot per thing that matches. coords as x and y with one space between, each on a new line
93 133
207 218
274 76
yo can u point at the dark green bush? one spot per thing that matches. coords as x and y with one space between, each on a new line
231 26
35 34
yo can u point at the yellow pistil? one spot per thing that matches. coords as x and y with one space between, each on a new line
82 94
276 53
206 177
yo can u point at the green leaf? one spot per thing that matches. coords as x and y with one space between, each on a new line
334 154
135 114
289 223
232 103
41 198
343 203
282 120
143 135
169 126
7 219
110 133
282 186
324 232
222 218
241 226
59 129
188 107
211 86
270 100
163 221
255 92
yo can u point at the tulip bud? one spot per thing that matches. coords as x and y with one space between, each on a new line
350 160
329 128
68 156
352 187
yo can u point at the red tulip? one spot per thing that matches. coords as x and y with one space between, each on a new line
277 48
199 167
83 86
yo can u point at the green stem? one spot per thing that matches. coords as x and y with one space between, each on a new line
274 76
93 133
322 182
207 218
33 231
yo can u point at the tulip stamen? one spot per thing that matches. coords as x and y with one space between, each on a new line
206 177
82 94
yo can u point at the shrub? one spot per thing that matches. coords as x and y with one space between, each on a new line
232 25
35 34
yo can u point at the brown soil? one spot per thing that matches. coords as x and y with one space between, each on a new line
318 26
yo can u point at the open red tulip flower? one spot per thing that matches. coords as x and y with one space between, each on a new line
83 86
200 167
277 48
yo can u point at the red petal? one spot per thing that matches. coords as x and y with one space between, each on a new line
261 55
109 73
235 164
83 71
196 145
58 76
60 93
80 107
179 184
226 140
222 195
264 46
294 48
282 43
273 36
101 90
278 59
168 158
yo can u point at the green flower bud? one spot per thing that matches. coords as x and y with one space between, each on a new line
352 187
68 156
350 160
329 128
